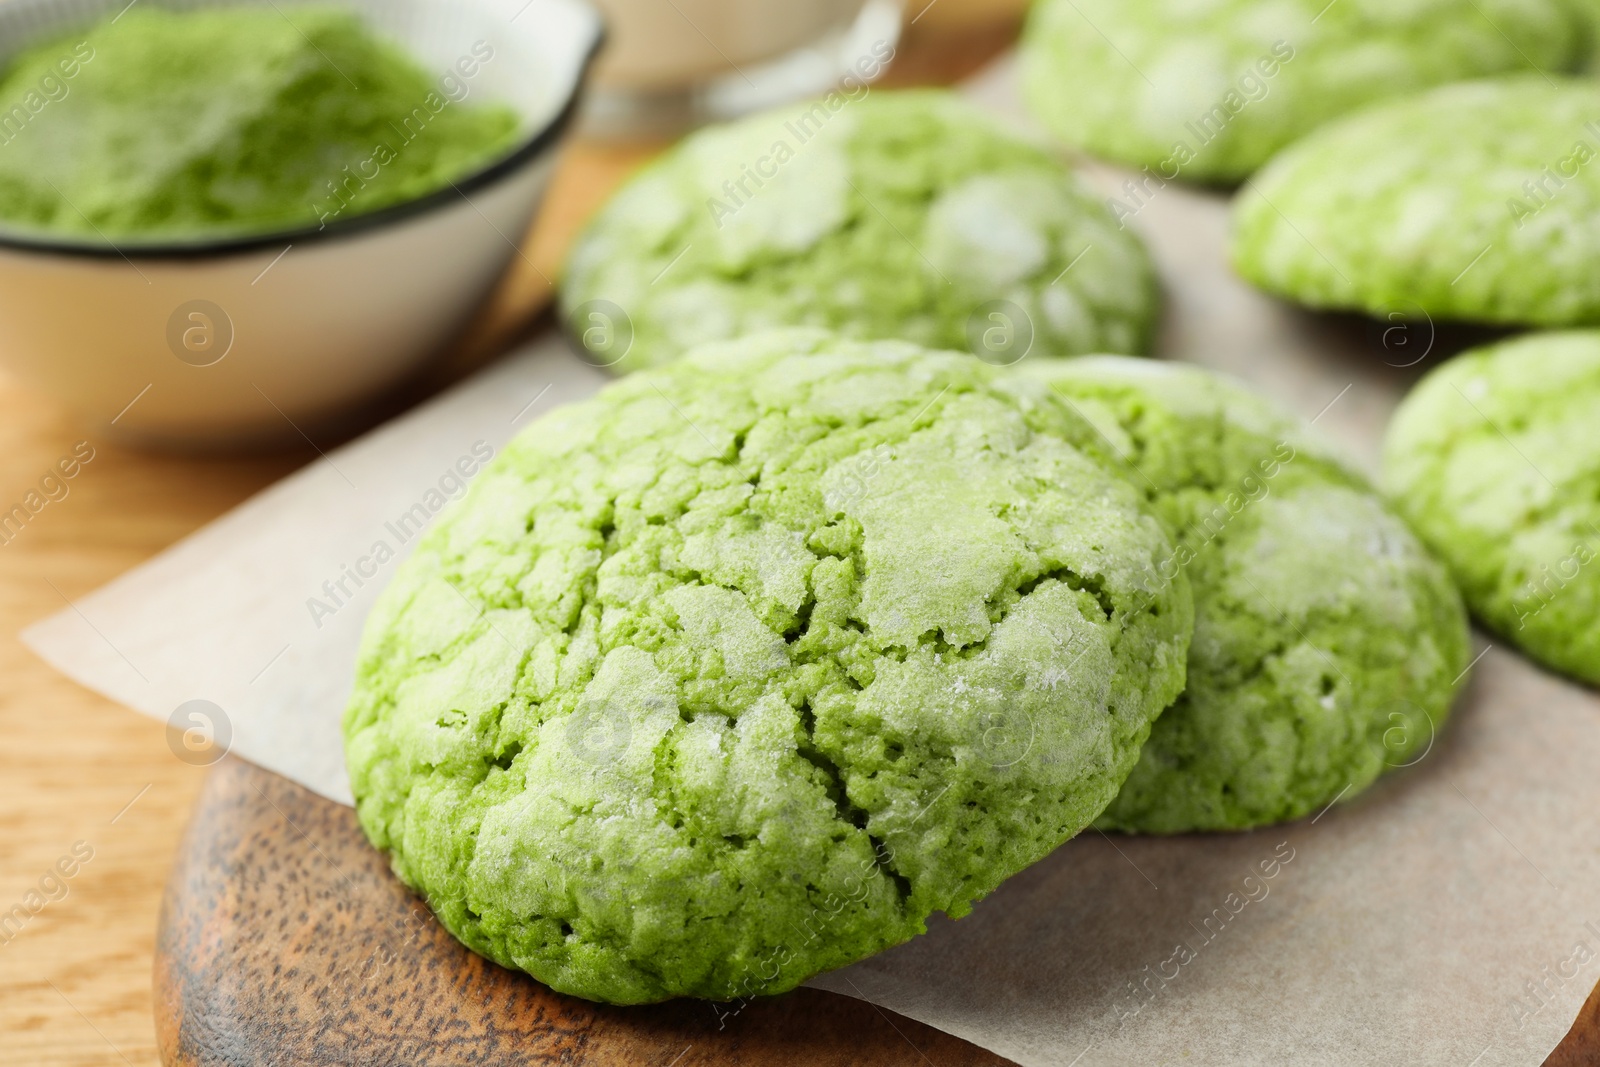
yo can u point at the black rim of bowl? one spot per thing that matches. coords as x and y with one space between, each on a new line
234 245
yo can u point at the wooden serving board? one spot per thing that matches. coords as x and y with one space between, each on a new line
285 940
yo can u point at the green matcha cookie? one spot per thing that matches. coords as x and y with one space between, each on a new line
908 215
1478 201
738 671
1495 459
1210 91
1327 643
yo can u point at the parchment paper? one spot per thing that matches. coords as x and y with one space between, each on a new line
1449 916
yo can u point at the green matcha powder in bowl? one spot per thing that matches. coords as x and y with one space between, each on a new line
228 120
227 224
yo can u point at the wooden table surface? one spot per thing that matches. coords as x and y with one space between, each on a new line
81 776
92 786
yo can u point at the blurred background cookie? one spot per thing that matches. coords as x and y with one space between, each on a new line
909 214
1492 457
1477 202
1209 91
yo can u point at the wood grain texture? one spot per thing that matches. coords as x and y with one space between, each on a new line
75 979
1581 1046
284 939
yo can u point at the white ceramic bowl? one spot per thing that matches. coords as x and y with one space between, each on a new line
257 338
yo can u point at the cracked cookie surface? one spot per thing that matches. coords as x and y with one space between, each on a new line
1495 458
1328 644
740 670
1476 202
911 215
1210 91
